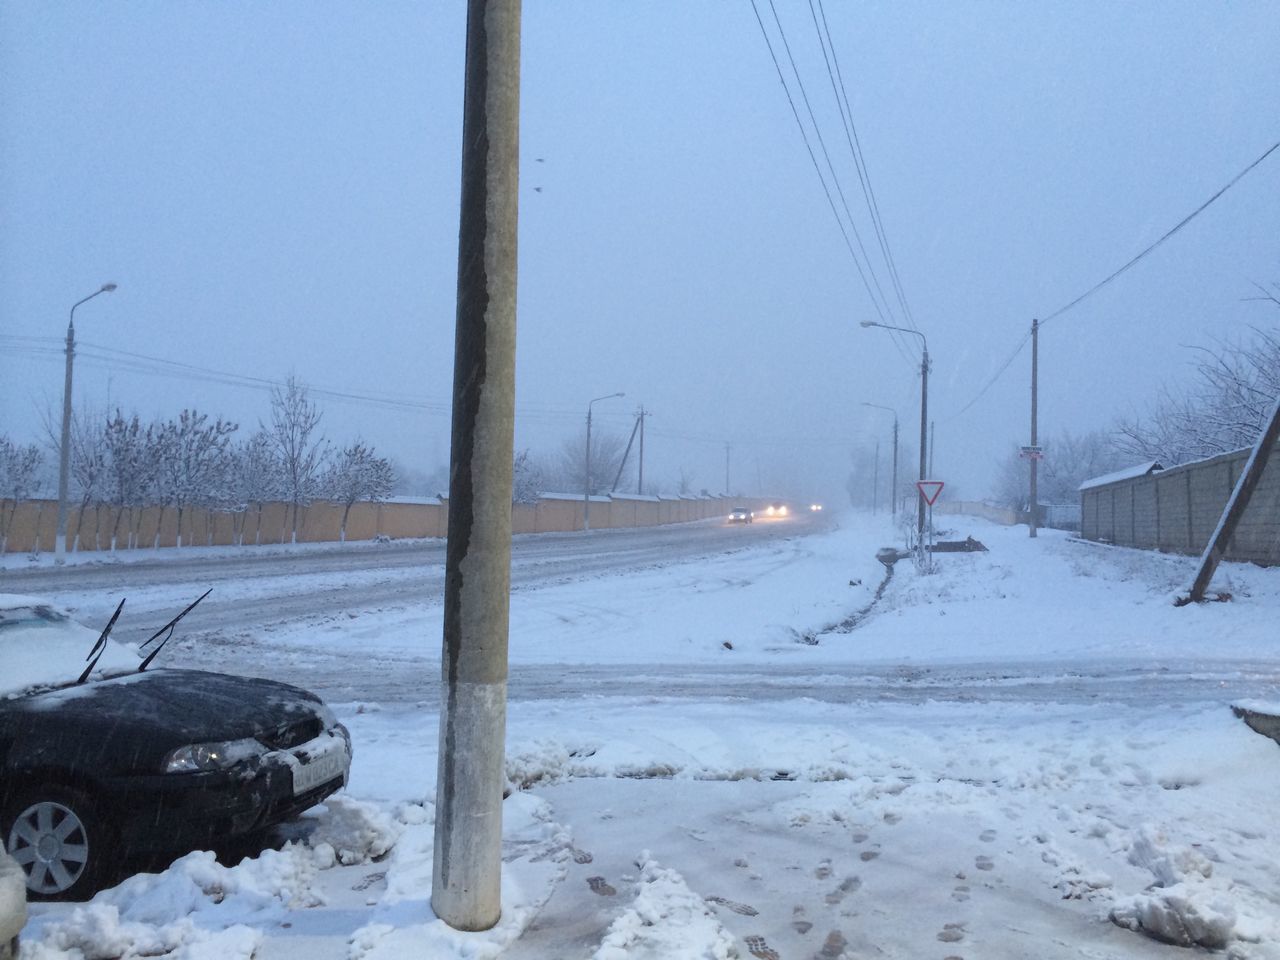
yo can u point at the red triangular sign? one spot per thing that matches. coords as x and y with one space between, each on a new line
929 489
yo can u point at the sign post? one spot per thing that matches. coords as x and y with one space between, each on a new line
929 490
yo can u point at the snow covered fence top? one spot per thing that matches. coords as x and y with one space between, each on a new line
1128 473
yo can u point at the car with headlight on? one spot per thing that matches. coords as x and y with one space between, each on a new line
101 757
13 905
740 515
776 510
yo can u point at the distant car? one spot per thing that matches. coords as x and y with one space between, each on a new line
815 507
13 905
740 515
776 510
103 759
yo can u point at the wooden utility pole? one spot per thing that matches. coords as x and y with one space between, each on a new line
465 891
1035 454
1236 506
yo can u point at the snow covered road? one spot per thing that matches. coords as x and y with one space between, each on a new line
730 751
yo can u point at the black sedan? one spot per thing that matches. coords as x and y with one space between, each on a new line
104 759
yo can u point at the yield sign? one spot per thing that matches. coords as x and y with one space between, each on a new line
929 489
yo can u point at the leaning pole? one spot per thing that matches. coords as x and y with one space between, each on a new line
467 873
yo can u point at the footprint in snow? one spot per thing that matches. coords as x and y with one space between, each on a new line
761 949
600 886
833 947
984 863
581 856
738 908
799 924
823 870
847 886
951 933
987 836
960 893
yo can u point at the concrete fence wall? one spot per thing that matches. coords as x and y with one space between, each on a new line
30 526
1177 510
974 508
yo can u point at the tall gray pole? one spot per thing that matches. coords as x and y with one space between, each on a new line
924 443
894 511
465 891
875 483
640 481
933 439
726 469
586 473
1035 373
64 444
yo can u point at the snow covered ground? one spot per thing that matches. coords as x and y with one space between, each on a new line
759 812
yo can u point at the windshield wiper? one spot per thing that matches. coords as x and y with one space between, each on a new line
168 627
100 645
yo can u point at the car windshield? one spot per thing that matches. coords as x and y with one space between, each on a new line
41 647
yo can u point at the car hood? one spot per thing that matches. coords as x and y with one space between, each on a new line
176 707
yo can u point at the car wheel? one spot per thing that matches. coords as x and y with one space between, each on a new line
57 839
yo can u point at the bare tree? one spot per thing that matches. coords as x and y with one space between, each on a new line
192 456
1069 460
255 479
1225 407
356 473
528 480
568 470
19 471
89 472
302 453
130 450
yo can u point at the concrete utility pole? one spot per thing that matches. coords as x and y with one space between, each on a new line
466 880
727 488
875 483
64 445
1035 454
640 481
933 439
586 464
924 418
893 500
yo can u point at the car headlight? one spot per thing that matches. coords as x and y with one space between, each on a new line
782 511
206 757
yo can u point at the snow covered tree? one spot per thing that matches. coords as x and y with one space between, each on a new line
356 473
89 472
1224 408
193 458
254 479
301 452
130 468
19 471
527 479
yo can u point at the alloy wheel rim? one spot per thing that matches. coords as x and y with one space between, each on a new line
51 845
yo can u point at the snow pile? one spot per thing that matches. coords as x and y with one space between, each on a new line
667 921
1182 907
350 831
535 851
196 909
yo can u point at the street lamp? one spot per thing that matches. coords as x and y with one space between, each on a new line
924 416
894 498
64 448
586 487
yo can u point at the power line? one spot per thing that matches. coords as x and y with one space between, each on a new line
1102 283
825 40
804 136
1180 224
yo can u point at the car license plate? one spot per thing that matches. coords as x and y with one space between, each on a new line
321 768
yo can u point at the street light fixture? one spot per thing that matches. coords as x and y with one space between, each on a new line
893 500
924 416
64 447
586 487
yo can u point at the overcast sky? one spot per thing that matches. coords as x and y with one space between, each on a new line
274 187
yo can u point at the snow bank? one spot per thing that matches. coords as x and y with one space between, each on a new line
667 921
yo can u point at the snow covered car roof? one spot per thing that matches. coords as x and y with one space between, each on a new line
41 647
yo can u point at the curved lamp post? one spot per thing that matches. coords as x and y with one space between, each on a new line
64 447
893 499
924 415
586 484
